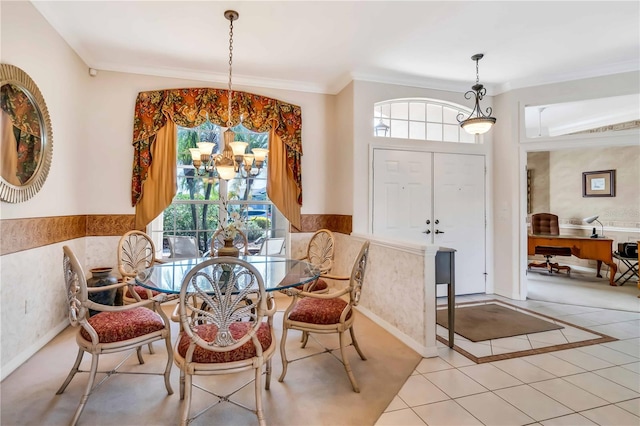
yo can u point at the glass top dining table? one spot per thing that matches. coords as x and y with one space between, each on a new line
277 272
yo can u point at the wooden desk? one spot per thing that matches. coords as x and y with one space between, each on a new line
599 249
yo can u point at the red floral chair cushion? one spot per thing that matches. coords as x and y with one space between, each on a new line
318 311
118 326
319 285
142 292
237 329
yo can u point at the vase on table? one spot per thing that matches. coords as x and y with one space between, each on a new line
101 277
229 249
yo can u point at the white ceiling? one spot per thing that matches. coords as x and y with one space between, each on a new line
321 46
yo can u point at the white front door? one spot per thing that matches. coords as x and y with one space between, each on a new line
402 194
438 199
459 216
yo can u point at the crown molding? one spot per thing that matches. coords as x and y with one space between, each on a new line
603 71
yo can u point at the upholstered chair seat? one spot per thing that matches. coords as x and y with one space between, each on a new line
318 311
320 285
143 293
238 330
118 326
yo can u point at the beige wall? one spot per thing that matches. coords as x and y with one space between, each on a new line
565 175
538 164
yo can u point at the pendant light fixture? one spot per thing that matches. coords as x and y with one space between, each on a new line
477 123
228 163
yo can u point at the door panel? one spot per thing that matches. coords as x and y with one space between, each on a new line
401 194
459 209
404 183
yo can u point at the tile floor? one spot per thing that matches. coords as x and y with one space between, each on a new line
598 384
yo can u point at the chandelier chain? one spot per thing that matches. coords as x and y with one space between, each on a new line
477 73
230 70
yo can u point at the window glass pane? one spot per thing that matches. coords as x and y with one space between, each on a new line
449 116
399 129
417 130
417 111
466 137
434 131
195 210
450 133
386 110
434 113
377 112
400 110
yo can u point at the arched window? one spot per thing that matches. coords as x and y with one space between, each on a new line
421 119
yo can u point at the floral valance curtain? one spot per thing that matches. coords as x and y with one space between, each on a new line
192 107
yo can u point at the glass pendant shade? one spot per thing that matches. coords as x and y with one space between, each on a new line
248 158
206 148
226 171
260 153
238 147
478 125
195 154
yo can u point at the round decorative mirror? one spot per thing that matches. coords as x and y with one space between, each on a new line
26 146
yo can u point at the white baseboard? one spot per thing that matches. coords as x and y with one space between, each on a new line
425 351
22 357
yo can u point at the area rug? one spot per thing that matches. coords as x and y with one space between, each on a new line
492 321
488 353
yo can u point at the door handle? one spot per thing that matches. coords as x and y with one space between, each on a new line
439 231
428 231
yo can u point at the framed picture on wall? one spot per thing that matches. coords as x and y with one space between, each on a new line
599 184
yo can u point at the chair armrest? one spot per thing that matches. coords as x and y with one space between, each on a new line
335 277
160 261
106 287
108 308
332 295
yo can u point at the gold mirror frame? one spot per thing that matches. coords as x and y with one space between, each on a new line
9 192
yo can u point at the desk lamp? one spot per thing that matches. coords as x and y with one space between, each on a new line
592 219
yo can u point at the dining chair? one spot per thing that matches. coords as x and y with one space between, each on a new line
320 253
240 242
311 312
183 247
226 318
136 252
113 329
271 246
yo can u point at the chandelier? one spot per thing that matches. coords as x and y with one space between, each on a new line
479 123
233 158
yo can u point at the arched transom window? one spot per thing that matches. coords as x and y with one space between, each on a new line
421 119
